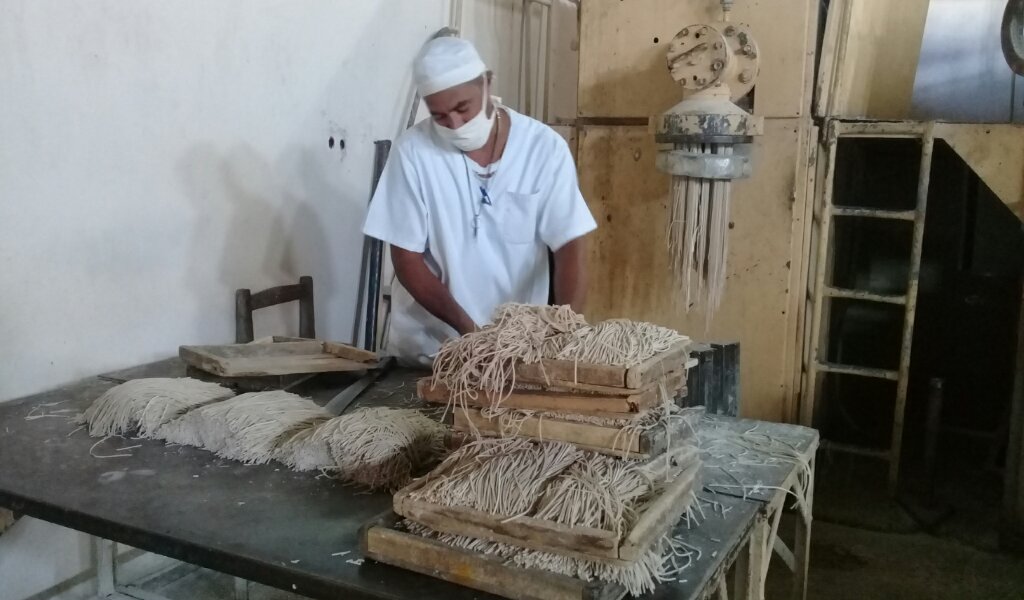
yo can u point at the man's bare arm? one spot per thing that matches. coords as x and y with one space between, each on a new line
571 274
428 290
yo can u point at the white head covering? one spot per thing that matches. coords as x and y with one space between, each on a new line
446 62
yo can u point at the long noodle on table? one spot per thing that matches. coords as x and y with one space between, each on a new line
141 406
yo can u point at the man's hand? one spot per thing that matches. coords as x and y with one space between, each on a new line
571 274
428 290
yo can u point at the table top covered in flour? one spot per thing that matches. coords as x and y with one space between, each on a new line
294 531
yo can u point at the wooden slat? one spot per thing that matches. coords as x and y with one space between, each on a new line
475 570
6 519
660 515
350 352
251 360
567 372
598 438
227 351
544 400
880 453
588 434
655 518
873 213
834 292
828 367
586 543
658 366
571 387
276 295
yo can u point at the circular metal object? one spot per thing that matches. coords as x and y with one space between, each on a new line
703 56
692 54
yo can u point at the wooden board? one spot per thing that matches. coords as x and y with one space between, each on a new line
598 405
599 438
279 358
380 541
869 58
661 514
335 348
995 153
629 198
622 69
569 373
587 543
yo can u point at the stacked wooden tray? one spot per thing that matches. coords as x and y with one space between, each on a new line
277 356
586 543
591 406
598 408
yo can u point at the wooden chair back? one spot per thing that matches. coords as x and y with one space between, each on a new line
246 302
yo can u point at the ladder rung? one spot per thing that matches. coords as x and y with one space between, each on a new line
833 292
855 370
875 213
851 449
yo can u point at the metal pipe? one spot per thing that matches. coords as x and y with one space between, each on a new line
526 91
547 62
376 254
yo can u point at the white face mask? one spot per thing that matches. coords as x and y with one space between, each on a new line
473 134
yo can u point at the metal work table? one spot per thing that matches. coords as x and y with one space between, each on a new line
296 531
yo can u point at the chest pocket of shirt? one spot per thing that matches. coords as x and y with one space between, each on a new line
519 217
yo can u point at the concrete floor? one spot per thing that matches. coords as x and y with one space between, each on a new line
848 563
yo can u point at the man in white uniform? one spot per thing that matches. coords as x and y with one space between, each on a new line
471 200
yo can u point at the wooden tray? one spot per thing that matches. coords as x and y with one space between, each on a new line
588 436
381 541
587 543
569 373
277 358
622 403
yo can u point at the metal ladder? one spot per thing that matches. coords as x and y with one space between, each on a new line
824 292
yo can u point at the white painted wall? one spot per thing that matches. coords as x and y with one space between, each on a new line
158 155
154 156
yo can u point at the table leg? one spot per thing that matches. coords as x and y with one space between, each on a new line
6 520
241 589
723 588
749 584
106 578
802 543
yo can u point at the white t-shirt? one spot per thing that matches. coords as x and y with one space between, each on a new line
426 201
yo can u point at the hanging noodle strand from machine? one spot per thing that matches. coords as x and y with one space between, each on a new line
705 141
